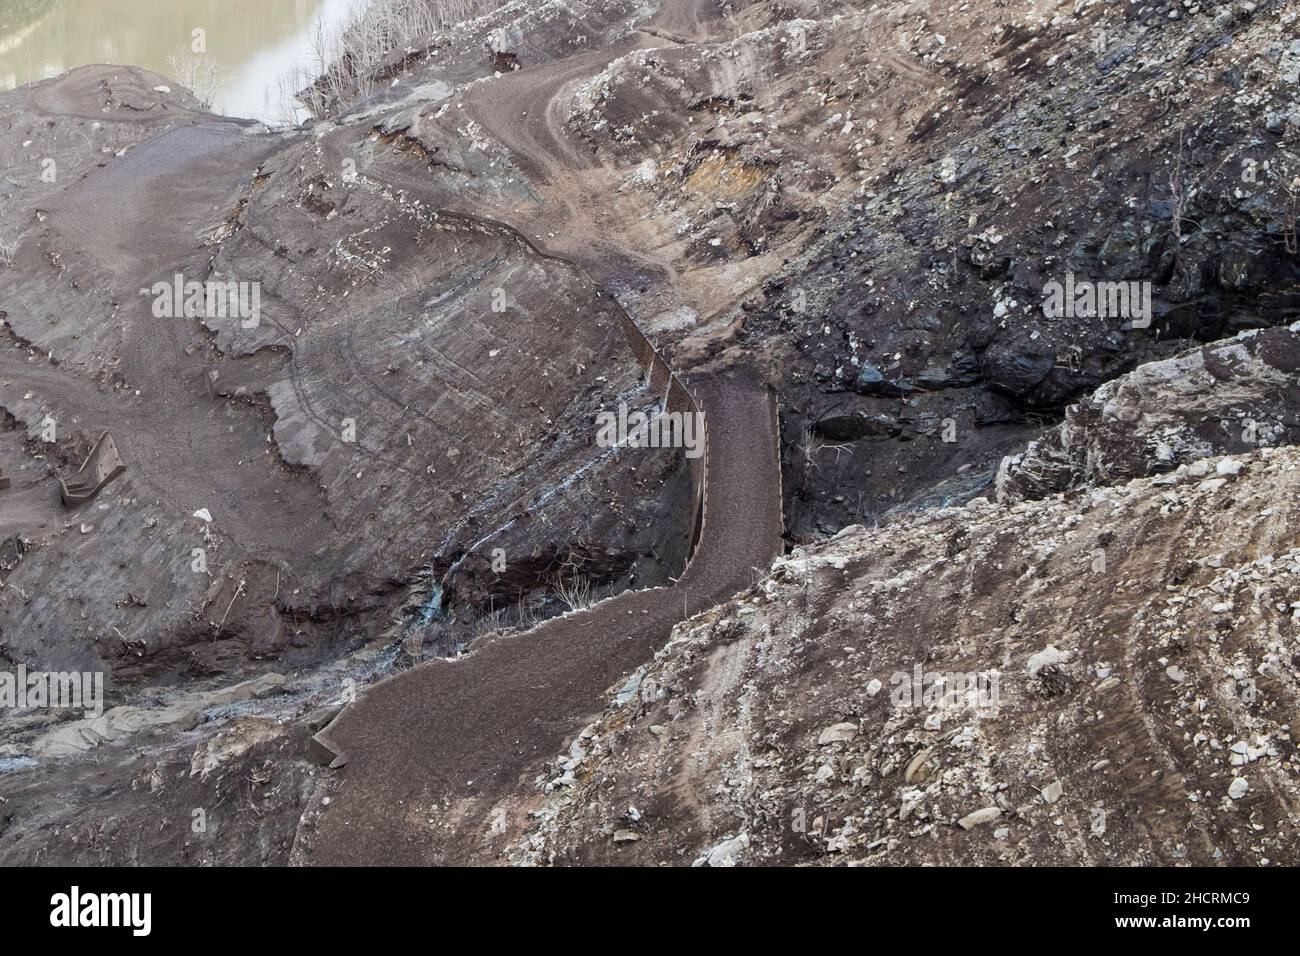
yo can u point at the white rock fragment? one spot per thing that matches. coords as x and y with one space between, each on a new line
726 853
979 817
837 733
1047 656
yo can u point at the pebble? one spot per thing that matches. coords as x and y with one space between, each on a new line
916 764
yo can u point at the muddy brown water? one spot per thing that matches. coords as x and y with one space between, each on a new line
249 46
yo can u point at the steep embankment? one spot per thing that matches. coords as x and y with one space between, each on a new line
412 380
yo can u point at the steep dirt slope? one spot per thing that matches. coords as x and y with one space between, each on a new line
340 416
1108 678
872 200
416 384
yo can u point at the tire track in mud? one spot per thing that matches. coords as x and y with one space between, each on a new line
523 112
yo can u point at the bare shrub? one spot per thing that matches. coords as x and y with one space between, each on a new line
491 623
574 592
199 75
348 61
525 616
813 445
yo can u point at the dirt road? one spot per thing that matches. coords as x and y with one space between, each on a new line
432 750
577 207
523 110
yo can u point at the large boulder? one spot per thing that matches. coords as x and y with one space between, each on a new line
1224 398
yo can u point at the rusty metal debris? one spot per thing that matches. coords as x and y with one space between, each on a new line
101 466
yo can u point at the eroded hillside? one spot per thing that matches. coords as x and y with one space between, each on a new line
1106 678
850 212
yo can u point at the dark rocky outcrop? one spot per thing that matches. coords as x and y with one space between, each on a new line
1225 398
